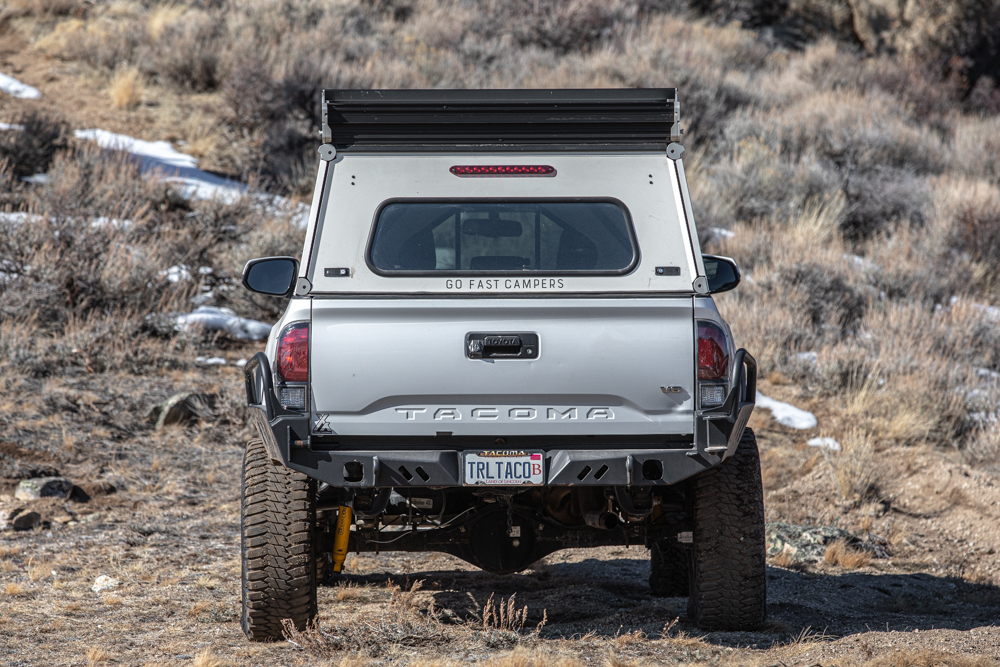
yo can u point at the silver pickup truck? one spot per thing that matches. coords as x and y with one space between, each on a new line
501 342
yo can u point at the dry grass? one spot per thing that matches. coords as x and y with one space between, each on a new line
208 659
929 658
13 590
783 559
126 88
842 555
97 656
348 591
854 467
161 17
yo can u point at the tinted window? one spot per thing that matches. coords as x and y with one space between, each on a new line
495 236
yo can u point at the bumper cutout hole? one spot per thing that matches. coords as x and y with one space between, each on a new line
583 473
652 469
600 472
423 474
405 473
354 471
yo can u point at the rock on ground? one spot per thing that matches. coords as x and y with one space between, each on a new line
43 487
104 583
182 408
19 519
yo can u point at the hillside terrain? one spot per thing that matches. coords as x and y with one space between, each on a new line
845 153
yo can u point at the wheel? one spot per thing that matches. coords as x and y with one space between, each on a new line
668 569
728 578
277 545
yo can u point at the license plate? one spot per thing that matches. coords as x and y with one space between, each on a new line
504 468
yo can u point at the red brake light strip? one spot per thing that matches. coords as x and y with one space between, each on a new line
487 170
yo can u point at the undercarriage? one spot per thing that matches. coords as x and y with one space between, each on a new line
505 530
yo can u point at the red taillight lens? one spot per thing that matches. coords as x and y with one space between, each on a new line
713 361
293 354
503 170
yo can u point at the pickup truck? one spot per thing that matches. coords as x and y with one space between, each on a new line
500 341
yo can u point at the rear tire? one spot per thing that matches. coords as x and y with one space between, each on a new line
277 545
668 569
728 588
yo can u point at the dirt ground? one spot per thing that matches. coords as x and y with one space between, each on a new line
159 512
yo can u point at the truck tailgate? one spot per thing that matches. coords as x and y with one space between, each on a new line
387 367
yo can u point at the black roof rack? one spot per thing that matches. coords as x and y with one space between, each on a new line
627 119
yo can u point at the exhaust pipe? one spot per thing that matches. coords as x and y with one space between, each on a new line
602 520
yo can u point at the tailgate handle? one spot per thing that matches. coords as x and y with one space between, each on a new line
501 346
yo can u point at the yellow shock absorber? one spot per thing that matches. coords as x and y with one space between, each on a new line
341 537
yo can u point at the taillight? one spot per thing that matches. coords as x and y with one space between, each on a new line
713 362
467 170
293 354
713 365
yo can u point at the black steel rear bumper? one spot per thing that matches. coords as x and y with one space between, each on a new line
286 436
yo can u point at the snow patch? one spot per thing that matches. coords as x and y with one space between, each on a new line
19 217
810 358
9 126
859 262
15 88
787 415
991 313
720 234
176 274
161 160
209 319
160 152
825 443
210 361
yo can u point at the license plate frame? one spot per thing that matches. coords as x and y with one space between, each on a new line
503 468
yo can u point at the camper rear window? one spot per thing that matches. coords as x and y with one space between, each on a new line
554 237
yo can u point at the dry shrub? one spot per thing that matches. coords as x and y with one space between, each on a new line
839 553
202 136
854 467
374 637
982 448
187 57
126 88
161 17
40 8
31 150
105 44
253 97
976 145
503 622
503 615
561 25
977 231
830 299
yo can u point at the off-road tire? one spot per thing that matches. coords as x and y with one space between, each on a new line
668 569
728 578
277 545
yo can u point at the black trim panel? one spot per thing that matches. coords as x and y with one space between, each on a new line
636 119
